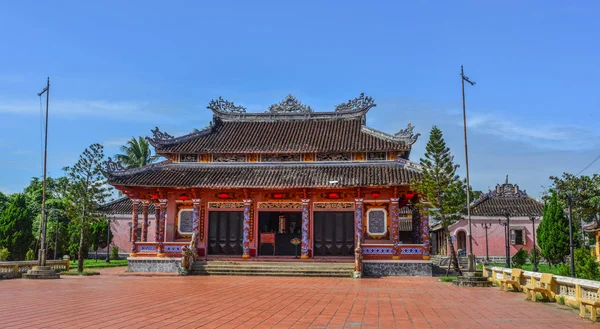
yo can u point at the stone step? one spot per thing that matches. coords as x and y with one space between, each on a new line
256 273
462 278
282 270
269 268
273 268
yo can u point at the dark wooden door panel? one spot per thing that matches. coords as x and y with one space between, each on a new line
225 232
334 233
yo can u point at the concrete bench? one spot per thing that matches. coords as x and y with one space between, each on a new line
593 304
545 288
514 280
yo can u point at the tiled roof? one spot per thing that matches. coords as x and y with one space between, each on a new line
284 136
593 227
123 206
280 175
506 199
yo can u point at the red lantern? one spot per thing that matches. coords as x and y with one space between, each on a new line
183 197
278 195
409 195
223 195
154 196
333 195
375 194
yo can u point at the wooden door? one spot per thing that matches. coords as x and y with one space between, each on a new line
333 233
225 232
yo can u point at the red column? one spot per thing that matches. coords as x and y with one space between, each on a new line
161 227
145 221
196 222
246 227
134 225
395 227
305 228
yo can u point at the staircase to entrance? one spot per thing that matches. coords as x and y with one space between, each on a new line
270 268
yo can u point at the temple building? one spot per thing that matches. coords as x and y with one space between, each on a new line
289 181
489 215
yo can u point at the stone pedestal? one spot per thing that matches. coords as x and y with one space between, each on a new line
41 272
472 279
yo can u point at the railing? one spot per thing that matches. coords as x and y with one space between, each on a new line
150 249
16 269
571 289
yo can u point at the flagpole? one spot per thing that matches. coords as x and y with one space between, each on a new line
42 251
471 258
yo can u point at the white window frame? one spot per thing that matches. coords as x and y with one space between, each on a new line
385 221
513 237
179 221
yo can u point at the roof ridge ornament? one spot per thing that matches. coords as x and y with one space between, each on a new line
221 105
290 105
161 136
113 166
407 134
359 103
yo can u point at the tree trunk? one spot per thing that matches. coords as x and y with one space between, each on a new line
453 258
81 239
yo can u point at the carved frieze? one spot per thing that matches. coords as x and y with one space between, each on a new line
226 205
334 205
334 156
282 157
188 158
376 156
229 157
280 205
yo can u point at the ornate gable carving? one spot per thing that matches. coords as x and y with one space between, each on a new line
161 136
290 105
359 103
407 134
221 105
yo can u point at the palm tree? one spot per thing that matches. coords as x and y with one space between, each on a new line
136 153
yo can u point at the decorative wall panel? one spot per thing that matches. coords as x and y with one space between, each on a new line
229 157
280 205
333 205
284 157
188 158
226 205
334 156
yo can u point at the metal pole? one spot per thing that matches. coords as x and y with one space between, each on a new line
507 235
486 226
56 237
108 240
42 252
535 268
571 235
471 255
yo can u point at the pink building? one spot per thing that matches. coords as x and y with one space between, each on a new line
119 212
489 216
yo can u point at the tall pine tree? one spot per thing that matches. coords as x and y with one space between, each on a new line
553 232
441 190
16 227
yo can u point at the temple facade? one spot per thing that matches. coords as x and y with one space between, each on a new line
283 183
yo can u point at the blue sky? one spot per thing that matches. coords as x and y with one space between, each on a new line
120 68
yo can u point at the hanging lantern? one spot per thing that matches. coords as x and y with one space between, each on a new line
223 195
409 195
333 195
375 194
154 196
278 195
184 197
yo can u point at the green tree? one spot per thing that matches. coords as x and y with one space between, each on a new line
553 232
3 201
87 191
136 153
16 227
99 235
441 191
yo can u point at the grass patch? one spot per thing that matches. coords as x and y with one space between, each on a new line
84 273
447 278
100 263
542 268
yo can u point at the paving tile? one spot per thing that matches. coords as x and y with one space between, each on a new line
114 300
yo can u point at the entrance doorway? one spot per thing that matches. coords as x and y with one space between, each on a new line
461 242
334 233
276 231
225 232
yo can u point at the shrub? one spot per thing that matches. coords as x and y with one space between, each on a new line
585 265
30 255
538 255
4 254
520 258
114 254
564 270
561 300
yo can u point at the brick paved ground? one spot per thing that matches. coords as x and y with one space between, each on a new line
128 301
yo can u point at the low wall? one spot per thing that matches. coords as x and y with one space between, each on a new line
572 289
153 264
378 268
13 270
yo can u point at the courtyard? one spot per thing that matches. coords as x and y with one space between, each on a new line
116 299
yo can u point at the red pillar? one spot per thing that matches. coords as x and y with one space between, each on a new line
305 228
162 209
425 236
395 226
144 221
134 225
